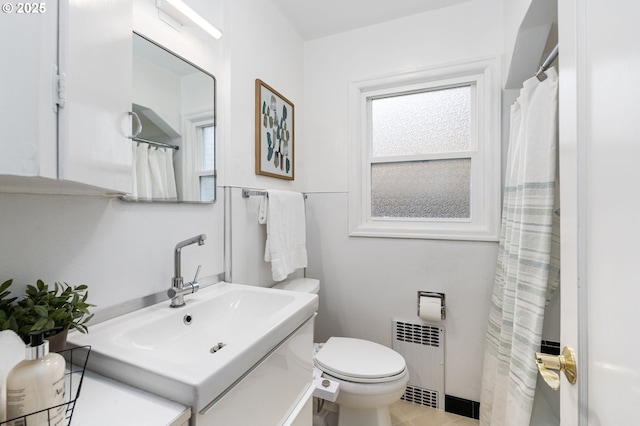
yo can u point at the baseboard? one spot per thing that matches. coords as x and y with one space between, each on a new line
461 406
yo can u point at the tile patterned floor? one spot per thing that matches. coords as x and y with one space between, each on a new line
407 414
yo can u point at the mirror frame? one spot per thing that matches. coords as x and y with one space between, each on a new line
127 197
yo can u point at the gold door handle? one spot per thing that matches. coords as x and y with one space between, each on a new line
565 362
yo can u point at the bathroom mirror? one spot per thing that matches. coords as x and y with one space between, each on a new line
173 128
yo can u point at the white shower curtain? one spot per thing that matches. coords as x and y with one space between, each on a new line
527 270
154 176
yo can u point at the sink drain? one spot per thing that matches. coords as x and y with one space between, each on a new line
217 347
187 319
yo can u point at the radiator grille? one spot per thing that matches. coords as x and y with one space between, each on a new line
420 396
422 346
418 333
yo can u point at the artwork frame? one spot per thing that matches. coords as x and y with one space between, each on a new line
275 133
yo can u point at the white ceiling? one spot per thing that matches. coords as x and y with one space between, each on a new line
314 19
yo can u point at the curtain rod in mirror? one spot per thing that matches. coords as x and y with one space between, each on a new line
155 143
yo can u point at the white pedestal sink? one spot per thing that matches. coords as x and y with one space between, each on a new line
175 352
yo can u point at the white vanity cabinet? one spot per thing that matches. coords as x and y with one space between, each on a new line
276 392
65 94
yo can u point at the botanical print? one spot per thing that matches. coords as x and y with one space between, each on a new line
274 133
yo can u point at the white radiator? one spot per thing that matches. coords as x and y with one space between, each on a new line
422 346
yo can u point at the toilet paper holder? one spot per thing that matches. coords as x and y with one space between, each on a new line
433 294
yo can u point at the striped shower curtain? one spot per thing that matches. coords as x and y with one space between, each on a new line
527 270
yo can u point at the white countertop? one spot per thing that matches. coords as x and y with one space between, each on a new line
105 402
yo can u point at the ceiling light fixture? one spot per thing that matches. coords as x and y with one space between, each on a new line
182 13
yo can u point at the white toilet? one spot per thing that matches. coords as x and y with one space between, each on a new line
371 376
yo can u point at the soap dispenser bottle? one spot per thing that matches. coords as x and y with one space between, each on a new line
35 384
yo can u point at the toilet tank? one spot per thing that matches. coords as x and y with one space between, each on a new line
302 285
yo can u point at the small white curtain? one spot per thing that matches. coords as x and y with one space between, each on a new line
154 176
527 270
171 192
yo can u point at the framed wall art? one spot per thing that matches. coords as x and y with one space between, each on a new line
274 133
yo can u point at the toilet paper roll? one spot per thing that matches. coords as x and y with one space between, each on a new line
430 309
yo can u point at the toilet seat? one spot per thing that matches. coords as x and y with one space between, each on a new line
359 361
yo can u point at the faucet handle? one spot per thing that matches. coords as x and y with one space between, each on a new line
195 278
194 284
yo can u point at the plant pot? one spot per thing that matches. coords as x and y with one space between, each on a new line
58 342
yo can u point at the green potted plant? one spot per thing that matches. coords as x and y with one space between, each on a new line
6 304
61 308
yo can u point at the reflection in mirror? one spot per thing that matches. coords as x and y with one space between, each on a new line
173 128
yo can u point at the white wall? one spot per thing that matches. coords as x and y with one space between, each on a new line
365 282
120 250
148 77
528 27
514 13
467 31
190 42
263 45
193 99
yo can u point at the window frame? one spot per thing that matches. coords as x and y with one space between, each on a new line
192 156
200 171
484 151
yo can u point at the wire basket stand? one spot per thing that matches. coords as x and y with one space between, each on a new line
76 360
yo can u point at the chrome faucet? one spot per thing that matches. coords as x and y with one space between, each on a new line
178 288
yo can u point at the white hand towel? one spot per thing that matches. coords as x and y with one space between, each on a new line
286 232
262 213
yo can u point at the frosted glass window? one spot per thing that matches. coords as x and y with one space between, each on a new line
207 188
425 154
434 121
207 178
436 189
208 148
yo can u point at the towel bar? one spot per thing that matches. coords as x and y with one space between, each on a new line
246 193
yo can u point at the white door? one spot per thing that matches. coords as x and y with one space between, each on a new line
600 208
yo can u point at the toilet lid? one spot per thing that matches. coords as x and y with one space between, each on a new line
359 360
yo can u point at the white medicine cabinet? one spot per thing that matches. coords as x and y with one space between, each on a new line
65 95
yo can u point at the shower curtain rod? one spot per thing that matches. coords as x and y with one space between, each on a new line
155 143
540 75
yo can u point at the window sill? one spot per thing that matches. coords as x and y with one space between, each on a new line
462 231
